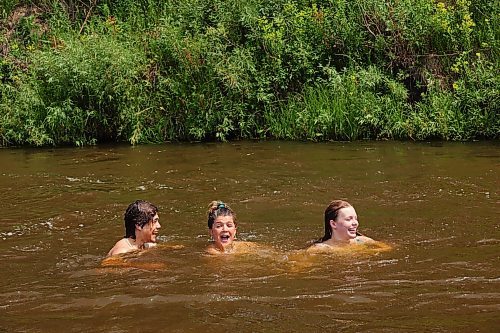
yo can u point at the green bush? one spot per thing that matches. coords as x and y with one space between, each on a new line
355 104
79 93
150 71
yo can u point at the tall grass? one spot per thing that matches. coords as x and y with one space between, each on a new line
351 105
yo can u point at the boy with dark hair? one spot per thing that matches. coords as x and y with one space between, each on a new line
141 226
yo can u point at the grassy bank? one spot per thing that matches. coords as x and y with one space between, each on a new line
151 71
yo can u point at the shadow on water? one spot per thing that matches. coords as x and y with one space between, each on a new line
437 204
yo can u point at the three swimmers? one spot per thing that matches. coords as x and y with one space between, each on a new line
142 226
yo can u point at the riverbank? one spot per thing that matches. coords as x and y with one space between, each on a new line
105 71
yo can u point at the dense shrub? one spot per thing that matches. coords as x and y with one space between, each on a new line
81 72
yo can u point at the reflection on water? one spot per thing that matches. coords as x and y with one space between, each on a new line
437 204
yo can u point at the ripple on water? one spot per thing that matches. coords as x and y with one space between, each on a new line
12 298
441 267
120 299
490 241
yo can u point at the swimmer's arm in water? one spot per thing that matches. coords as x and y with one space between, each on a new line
237 248
167 246
358 241
318 248
382 247
244 245
362 240
241 247
255 248
379 246
124 262
123 246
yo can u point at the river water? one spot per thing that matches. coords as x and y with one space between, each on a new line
437 204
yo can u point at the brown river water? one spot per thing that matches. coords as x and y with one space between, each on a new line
436 203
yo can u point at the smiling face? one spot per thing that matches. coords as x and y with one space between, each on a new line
223 232
150 230
346 224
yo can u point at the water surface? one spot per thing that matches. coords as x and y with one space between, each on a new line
436 203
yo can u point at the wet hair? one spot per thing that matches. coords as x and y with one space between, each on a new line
331 213
139 212
216 209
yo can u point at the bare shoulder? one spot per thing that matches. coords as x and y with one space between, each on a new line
318 248
254 248
243 245
373 244
363 240
120 247
381 246
211 249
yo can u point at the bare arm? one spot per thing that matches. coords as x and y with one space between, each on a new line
373 244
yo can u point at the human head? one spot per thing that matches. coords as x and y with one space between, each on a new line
216 209
139 213
221 224
331 214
